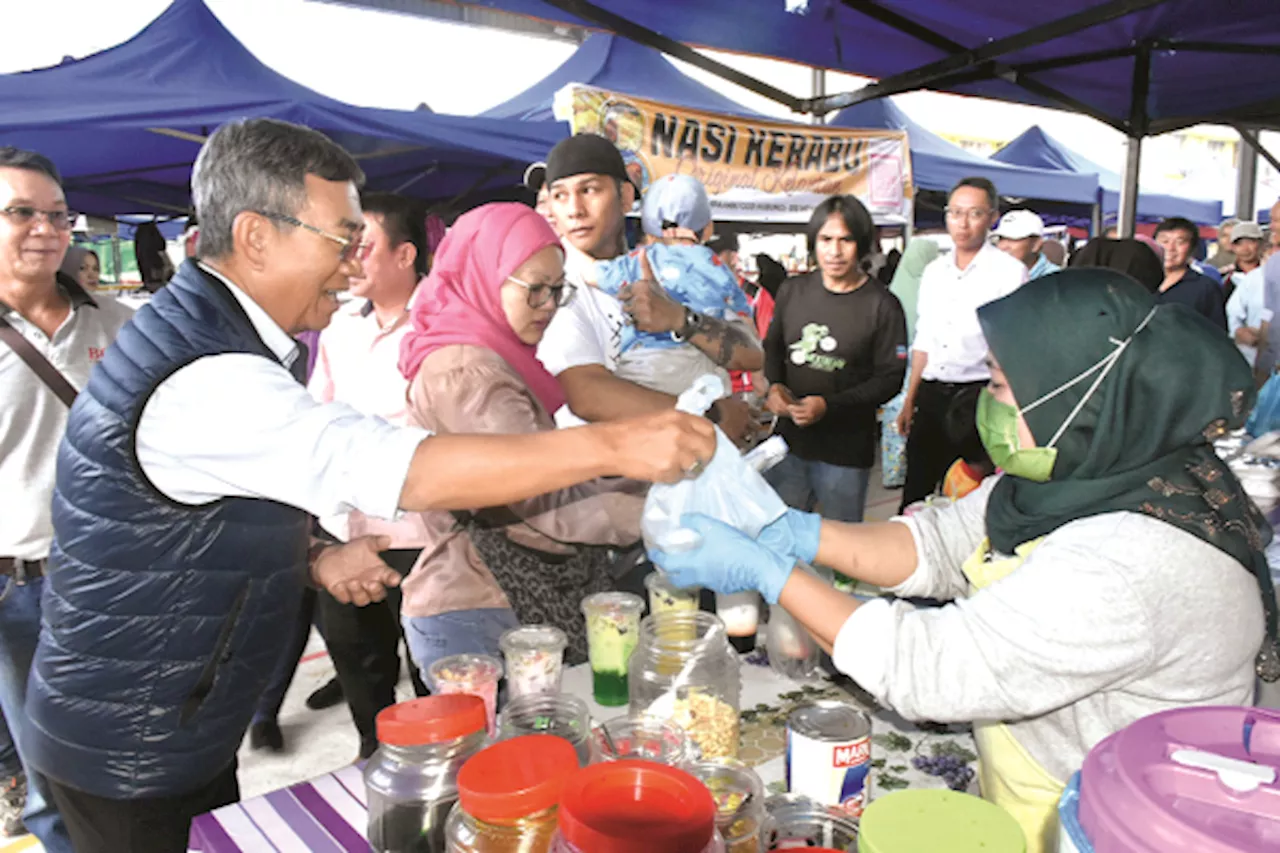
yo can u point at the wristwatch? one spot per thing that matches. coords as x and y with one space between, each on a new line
692 320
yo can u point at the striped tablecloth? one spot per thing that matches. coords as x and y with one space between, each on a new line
325 815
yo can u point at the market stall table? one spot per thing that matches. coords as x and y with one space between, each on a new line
328 814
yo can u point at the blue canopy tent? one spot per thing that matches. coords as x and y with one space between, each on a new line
1040 150
1141 66
619 65
937 164
124 125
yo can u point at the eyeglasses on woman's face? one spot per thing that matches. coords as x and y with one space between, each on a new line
540 295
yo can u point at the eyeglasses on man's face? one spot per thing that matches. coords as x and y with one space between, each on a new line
541 295
22 214
972 214
351 248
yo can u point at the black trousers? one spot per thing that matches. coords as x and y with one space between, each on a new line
155 825
364 645
930 449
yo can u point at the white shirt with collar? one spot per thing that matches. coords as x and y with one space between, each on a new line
1247 308
240 425
947 312
33 419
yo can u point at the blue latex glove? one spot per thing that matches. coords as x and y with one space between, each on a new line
795 535
726 560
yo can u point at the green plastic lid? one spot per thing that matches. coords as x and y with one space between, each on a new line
912 821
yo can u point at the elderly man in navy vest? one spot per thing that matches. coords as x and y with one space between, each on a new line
192 466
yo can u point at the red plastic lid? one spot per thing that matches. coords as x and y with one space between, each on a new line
516 778
432 719
636 807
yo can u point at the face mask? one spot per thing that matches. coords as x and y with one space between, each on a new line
998 429
998 422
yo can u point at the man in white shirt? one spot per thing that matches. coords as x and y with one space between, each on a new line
69 330
357 364
1248 318
193 465
949 351
590 194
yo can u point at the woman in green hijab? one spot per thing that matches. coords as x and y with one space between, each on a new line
1113 570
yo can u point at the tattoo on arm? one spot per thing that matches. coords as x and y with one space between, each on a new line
722 341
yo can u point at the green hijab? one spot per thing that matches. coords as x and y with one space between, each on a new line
1142 441
906 278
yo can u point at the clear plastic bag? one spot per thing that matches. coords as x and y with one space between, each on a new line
729 489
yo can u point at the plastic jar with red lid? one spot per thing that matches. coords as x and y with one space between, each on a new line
411 779
633 806
508 796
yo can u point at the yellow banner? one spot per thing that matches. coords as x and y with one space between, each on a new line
754 170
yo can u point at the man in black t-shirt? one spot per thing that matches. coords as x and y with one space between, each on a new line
836 351
1179 238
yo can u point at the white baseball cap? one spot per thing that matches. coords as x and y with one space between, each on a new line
1019 225
1246 230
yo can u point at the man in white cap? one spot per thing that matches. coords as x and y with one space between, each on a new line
1021 234
1246 245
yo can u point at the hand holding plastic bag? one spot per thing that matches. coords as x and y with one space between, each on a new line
728 489
725 560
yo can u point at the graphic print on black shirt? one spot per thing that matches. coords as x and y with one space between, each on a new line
848 348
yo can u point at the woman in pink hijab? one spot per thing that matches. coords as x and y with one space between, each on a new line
471 360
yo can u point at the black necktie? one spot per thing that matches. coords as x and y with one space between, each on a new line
299 366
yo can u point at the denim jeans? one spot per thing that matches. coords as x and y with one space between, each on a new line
474 632
804 484
10 766
19 632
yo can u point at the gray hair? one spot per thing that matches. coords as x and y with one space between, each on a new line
260 165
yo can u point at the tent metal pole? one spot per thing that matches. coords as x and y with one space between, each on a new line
920 77
819 92
1095 218
1129 187
1252 138
1014 74
1246 180
1139 126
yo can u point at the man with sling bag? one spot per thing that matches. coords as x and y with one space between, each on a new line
51 334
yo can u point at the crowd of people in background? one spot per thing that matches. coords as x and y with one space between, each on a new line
520 321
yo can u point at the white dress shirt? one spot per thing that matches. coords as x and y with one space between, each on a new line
358 363
947 312
240 425
1246 308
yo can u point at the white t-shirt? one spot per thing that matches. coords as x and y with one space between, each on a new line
586 331
589 331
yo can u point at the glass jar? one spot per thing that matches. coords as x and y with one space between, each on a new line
685 671
535 659
646 738
799 822
560 714
508 796
636 807
740 612
739 796
411 781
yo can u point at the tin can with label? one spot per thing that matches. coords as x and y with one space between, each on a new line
829 755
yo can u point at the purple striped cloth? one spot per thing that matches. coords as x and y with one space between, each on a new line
327 815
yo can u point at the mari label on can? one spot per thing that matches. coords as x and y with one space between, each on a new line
829 755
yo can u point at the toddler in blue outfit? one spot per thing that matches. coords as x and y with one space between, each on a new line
676 217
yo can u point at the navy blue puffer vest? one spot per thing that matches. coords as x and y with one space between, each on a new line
162 621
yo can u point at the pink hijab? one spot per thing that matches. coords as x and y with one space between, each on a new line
463 305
